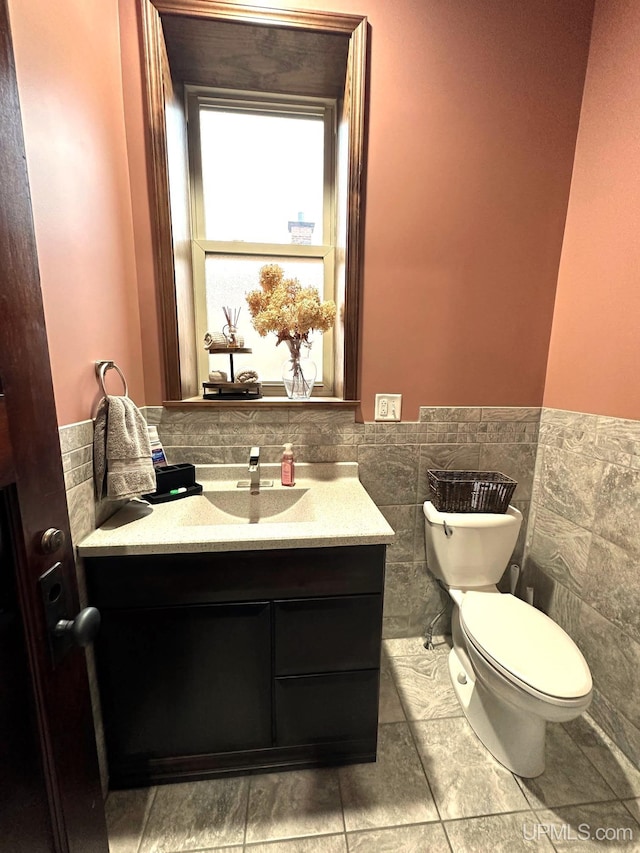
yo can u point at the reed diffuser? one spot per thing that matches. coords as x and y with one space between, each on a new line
230 330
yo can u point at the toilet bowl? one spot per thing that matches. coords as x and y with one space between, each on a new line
512 667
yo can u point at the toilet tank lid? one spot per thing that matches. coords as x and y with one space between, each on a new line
527 643
472 519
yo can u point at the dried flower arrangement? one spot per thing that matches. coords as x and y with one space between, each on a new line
283 306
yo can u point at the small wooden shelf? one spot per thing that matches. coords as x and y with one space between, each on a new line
231 390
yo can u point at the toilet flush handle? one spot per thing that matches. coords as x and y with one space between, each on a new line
448 531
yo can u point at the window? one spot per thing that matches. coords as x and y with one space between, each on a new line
262 172
311 58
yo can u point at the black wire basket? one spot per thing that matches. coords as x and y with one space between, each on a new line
470 491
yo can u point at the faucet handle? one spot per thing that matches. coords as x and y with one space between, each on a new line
254 456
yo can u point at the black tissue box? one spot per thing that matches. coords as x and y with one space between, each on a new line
171 477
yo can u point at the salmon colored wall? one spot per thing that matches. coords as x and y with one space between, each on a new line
595 344
473 120
474 112
473 117
69 78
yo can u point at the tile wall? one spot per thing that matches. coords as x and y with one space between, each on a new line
85 513
393 461
76 445
583 555
581 496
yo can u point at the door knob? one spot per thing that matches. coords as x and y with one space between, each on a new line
52 540
83 629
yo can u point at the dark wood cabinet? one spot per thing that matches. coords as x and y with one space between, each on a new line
221 662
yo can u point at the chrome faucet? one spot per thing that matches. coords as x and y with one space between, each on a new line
254 470
254 483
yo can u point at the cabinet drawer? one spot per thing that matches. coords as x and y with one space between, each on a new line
170 579
320 708
327 634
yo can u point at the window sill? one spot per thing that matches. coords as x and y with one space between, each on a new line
264 403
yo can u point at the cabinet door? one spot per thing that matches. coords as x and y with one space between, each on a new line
315 635
178 681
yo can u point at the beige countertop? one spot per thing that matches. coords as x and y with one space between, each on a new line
327 506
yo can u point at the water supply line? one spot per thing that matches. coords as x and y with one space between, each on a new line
428 640
514 577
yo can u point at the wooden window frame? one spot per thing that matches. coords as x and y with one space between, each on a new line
175 304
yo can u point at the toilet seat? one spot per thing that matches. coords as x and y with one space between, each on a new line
525 646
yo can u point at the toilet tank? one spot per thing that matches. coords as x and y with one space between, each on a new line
470 549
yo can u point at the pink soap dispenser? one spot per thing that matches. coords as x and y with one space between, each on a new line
287 466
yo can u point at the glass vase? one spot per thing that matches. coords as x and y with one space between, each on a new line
298 371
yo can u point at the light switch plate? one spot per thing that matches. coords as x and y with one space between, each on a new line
388 407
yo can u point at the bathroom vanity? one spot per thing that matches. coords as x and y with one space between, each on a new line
243 644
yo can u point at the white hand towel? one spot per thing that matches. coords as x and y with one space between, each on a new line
122 451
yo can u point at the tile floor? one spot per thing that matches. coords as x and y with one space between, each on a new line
434 788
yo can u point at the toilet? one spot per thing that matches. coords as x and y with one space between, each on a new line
512 667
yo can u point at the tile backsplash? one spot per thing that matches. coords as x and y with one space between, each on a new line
85 513
76 445
393 459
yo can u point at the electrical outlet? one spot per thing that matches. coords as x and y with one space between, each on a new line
388 407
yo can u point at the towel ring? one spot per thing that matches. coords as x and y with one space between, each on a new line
101 369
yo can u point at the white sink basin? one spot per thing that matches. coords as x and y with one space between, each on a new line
272 506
